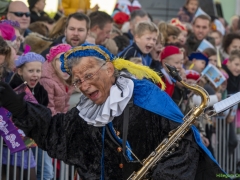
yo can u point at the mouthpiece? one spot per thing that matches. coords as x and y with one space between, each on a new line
173 72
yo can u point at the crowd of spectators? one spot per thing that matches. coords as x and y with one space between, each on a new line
28 33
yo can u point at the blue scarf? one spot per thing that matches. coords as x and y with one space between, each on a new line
159 102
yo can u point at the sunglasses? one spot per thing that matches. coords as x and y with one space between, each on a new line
21 14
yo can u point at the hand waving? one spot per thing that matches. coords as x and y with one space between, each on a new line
11 101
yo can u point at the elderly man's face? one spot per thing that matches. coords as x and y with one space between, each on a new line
96 79
18 11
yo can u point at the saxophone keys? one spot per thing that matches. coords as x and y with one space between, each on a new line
176 144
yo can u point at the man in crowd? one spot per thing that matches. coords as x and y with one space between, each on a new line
101 26
18 11
89 135
136 17
76 31
201 29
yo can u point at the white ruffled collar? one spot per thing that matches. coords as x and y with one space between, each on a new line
100 115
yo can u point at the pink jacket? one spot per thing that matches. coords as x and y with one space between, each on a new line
58 93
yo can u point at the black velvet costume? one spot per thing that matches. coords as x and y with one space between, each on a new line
69 138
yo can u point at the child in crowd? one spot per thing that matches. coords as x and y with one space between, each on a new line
19 39
29 68
173 56
55 81
56 84
145 38
187 12
199 61
233 70
155 54
212 56
182 37
217 36
122 42
170 33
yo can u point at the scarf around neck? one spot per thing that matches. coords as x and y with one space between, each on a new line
100 115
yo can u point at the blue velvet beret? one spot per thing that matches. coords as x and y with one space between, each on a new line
85 50
198 56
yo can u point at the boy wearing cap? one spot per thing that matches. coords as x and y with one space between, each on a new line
199 61
145 38
173 56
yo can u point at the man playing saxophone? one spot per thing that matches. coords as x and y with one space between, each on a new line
120 119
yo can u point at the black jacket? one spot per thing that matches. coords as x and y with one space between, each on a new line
129 35
69 138
233 85
192 43
134 51
42 16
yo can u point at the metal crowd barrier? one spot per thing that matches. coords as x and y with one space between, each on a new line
228 161
66 172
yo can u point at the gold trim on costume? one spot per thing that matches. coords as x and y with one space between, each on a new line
82 48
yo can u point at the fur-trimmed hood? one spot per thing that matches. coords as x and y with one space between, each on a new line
37 42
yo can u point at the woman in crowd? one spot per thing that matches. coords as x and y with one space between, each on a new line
170 33
5 55
230 42
36 8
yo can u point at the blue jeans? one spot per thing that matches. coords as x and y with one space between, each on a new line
47 165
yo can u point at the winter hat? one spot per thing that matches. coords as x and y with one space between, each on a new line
169 51
191 74
177 23
55 50
120 18
14 24
32 3
7 32
198 56
29 57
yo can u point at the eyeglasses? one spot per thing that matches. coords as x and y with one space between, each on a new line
88 77
21 14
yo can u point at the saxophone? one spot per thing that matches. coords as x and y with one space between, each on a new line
168 145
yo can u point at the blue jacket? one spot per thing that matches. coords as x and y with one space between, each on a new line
134 51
